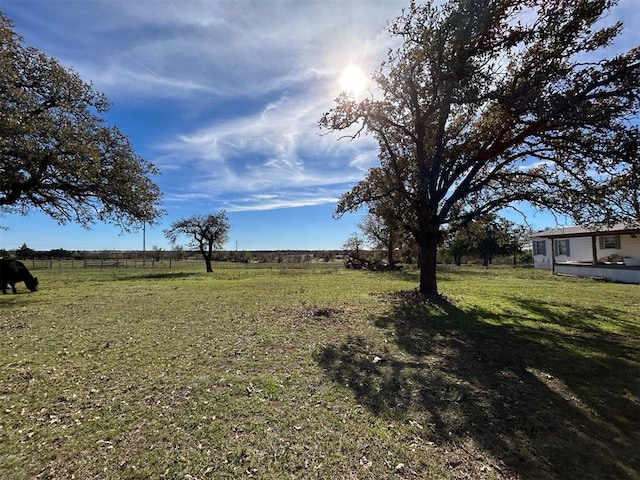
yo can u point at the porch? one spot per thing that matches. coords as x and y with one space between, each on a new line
612 272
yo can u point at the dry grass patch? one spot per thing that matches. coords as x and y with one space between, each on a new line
319 372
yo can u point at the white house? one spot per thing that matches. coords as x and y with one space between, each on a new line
609 253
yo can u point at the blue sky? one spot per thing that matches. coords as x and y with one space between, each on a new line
225 97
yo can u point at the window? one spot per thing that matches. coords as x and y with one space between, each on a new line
539 247
562 247
612 241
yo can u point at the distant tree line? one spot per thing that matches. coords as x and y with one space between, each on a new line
180 253
485 239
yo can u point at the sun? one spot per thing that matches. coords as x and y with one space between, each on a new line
353 80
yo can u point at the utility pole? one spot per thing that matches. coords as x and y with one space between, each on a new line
1 229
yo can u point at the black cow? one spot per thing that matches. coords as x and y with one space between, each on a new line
12 272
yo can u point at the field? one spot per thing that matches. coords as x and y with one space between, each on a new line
315 371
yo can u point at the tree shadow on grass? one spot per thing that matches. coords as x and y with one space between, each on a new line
546 404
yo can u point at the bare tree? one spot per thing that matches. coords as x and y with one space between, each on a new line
354 243
206 232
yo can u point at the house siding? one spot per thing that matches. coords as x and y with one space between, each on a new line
629 247
543 261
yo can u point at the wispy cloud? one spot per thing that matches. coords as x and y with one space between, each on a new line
279 146
238 86
257 74
275 202
242 48
225 96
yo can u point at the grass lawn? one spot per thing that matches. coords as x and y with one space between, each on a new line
318 372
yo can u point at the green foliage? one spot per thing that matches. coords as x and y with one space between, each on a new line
56 152
138 373
486 237
60 253
25 252
489 103
381 228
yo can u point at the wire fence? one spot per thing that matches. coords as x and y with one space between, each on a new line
167 263
52 263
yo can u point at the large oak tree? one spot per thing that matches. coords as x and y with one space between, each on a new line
57 154
490 102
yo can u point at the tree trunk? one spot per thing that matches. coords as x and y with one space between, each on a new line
207 254
428 246
207 261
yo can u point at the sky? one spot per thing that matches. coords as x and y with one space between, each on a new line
224 97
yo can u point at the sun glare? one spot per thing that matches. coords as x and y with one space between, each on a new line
353 80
